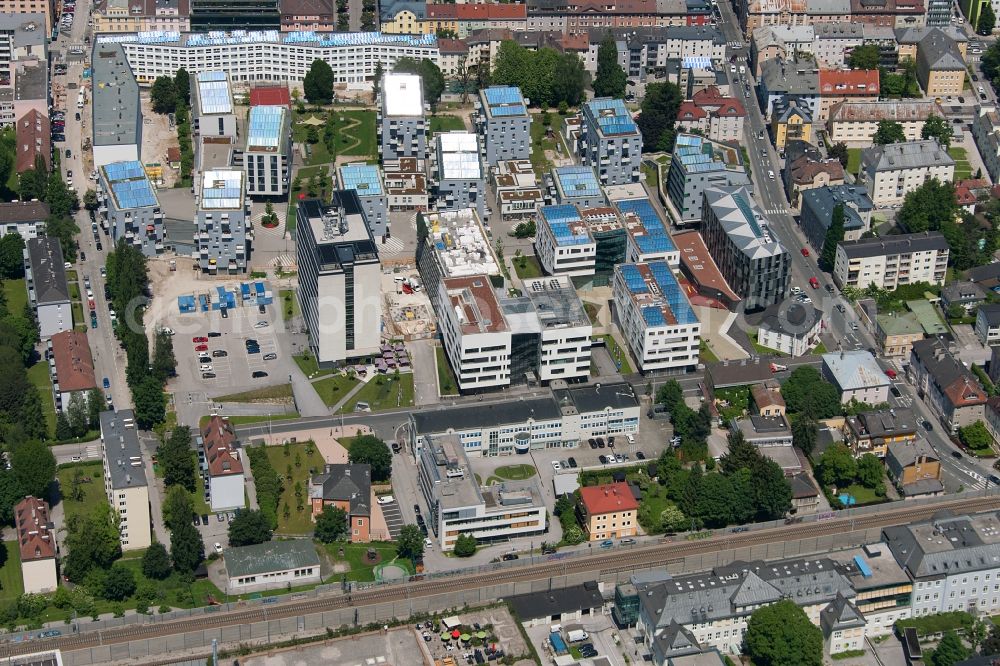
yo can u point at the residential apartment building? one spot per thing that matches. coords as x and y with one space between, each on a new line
125 478
120 16
518 194
503 123
127 201
874 431
855 122
48 291
834 40
792 330
986 133
308 15
24 218
655 317
806 169
268 156
951 390
213 15
563 243
402 128
23 11
575 17
753 262
268 55
791 120
36 543
224 464
892 261
988 324
225 236
406 184
576 185
339 278
818 205
458 505
610 141
570 415
365 180
212 109
755 13
857 375
456 246
641 49
795 79
33 137
909 39
648 240
116 115
347 487
609 511
459 174
896 332
71 367
840 85
914 468
892 13
697 164
716 116
941 68
779 41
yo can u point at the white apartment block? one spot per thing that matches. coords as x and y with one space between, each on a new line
891 172
476 338
125 478
892 261
563 243
656 318
269 55
402 127
857 122
564 330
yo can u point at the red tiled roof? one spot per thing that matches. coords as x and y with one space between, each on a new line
690 111
716 104
844 82
173 154
962 392
608 498
270 96
218 437
31 518
74 363
575 42
964 196
33 137
452 46
477 12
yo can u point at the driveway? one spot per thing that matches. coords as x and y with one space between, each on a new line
424 359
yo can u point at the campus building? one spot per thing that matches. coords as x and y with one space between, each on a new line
610 141
224 236
269 151
125 477
365 180
503 124
127 201
577 185
402 128
563 243
212 109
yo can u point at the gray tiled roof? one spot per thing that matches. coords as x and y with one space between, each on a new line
828 7
852 370
840 614
793 78
962 292
939 52
346 483
839 29
122 449
48 275
822 200
792 320
991 313
534 605
946 547
912 155
892 245
905 454
270 557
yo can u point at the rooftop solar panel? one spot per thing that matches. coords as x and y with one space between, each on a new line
505 101
362 178
129 185
213 93
222 189
577 181
662 295
566 226
611 116
265 126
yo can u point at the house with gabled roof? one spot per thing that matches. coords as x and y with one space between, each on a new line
224 465
953 392
347 487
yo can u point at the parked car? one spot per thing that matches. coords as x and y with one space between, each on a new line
572 462
220 353
106 383
196 339
201 348
270 357
258 374
214 334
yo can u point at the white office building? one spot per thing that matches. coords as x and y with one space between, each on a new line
892 171
125 478
213 111
476 338
656 318
563 243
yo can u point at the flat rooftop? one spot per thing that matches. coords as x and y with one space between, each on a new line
602 219
461 244
402 95
213 93
657 294
446 465
698 263
475 304
576 181
124 454
645 226
222 189
565 225
458 156
265 128
612 117
870 567
298 37
362 178
115 98
130 188
555 302
503 102
340 222
697 154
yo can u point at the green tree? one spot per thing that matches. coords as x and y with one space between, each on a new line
673 519
11 257
156 562
741 454
176 457
431 78
465 545
63 429
888 131
839 150
150 404
936 127
93 542
715 500
182 86
870 472
929 207
987 19
865 56
164 363
991 644
187 550
804 434
34 467
837 466
370 450
570 80
410 543
772 492
611 78
331 524
834 235
177 507
79 415
318 83
782 635
950 650
377 77
670 394
95 405
119 583
807 393
975 436
658 115
163 95
249 528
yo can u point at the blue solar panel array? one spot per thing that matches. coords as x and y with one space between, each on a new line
362 178
129 185
612 116
213 93
578 181
671 293
559 218
505 101
265 126
657 239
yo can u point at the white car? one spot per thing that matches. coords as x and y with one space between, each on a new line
428 543
206 367
556 466
386 499
218 548
261 324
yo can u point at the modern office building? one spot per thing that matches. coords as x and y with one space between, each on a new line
127 201
402 127
563 243
339 279
268 156
648 239
655 317
215 15
892 261
226 482
459 175
116 119
819 203
892 171
212 109
36 543
518 194
268 55
365 180
610 141
503 124
699 163
125 477
456 246
577 185
48 291
753 262
477 339
225 233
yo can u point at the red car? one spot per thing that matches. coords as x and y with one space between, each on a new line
199 338
814 282
201 348
890 373
805 252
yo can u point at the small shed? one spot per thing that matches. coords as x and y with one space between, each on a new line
451 622
186 303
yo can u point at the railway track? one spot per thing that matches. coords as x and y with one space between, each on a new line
605 562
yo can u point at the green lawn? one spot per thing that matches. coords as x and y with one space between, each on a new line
38 375
74 291
526 266
862 495
17 295
265 394
78 319
447 384
384 392
333 389
355 132
652 178
289 303
765 351
92 491
963 169
445 123
354 555
308 365
819 349
540 142
11 583
853 160
592 310
298 522
705 353
515 472
617 354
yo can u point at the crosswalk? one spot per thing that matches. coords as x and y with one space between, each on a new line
286 261
391 246
778 211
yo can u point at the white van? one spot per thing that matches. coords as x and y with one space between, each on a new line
79 100
770 174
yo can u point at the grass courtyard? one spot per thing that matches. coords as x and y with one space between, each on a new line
354 557
308 365
16 293
963 169
853 160
445 123
527 267
80 498
38 375
447 384
333 389
11 583
289 303
617 354
354 131
384 392
308 458
280 393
